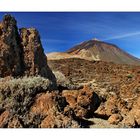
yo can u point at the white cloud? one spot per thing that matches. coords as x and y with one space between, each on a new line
122 36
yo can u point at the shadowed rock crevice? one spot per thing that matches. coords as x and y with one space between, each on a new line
84 123
105 117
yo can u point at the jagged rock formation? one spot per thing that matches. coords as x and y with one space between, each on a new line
10 60
21 53
33 54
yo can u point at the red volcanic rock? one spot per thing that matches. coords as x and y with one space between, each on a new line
49 106
113 105
4 118
115 119
133 117
56 119
44 103
84 102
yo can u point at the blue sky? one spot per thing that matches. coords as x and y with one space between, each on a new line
60 31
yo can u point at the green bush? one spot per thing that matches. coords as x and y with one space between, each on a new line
129 76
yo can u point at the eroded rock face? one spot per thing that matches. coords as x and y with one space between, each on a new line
10 61
21 53
35 62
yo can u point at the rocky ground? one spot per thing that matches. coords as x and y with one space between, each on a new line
117 87
65 93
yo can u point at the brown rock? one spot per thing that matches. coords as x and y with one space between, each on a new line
49 106
133 117
84 101
4 118
113 105
115 119
129 121
101 111
57 120
21 54
10 61
71 97
80 111
15 123
43 104
35 62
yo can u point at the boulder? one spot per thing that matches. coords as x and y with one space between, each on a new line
133 117
115 119
113 105
54 110
56 119
4 118
84 101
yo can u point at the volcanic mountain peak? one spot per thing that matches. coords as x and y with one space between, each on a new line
95 39
99 50
93 43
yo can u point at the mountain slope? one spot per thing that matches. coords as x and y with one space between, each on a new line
98 50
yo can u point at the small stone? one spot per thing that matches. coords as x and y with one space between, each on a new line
115 119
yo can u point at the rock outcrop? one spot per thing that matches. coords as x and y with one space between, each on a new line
10 51
34 58
21 51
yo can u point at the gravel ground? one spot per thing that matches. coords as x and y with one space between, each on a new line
100 123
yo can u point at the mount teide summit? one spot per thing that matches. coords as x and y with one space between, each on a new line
98 51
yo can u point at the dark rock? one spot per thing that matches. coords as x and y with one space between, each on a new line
10 61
